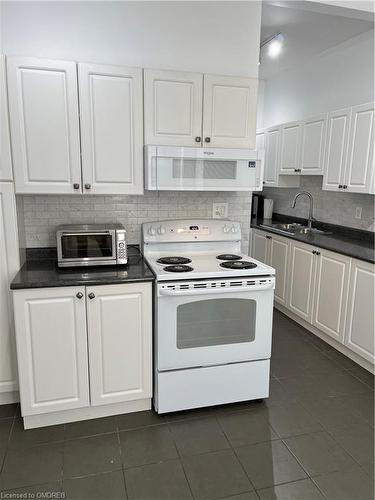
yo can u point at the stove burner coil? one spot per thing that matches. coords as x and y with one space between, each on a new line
238 264
228 256
173 260
179 268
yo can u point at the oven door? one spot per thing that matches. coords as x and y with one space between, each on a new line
81 248
211 326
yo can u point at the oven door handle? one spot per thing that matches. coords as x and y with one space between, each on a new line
222 290
82 233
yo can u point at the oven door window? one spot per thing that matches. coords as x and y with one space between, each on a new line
215 322
81 246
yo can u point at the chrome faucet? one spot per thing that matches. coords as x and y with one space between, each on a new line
311 210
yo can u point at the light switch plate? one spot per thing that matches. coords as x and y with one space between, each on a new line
220 210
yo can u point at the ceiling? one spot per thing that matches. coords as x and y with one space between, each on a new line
307 33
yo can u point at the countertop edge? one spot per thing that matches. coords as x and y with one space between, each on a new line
24 286
301 239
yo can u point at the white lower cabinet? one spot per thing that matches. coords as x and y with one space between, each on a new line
360 320
331 292
9 265
274 251
52 349
81 347
120 342
301 280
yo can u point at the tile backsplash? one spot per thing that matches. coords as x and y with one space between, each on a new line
329 206
42 214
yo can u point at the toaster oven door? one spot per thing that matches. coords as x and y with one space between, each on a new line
85 249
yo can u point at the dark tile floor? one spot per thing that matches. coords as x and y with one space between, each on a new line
312 439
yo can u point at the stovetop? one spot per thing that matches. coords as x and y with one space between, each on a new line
203 265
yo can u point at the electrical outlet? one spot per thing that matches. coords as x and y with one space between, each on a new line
358 212
220 210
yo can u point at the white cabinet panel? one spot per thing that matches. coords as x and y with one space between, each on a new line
279 260
51 349
312 145
271 160
290 145
360 319
259 247
120 342
43 106
5 153
331 293
336 148
173 107
9 265
360 160
229 111
111 106
302 274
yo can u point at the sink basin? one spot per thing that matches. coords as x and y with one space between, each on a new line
293 228
312 230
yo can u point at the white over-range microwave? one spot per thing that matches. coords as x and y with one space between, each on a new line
203 169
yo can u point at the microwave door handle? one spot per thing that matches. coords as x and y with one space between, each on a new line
206 291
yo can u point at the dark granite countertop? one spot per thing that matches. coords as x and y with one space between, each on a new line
40 271
347 241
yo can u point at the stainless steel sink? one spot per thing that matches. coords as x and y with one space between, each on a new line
293 228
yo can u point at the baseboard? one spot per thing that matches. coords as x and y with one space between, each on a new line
332 342
7 398
63 417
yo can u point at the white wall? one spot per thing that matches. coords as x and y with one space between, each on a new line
211 37
338 78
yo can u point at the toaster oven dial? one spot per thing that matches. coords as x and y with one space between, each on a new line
152 231
161 230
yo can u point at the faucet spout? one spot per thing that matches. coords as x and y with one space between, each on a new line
311 209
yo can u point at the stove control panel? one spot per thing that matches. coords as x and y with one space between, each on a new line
191 230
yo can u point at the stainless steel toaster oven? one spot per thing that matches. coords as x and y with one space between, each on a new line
91 245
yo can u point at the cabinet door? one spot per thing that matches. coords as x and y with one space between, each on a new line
290 147
312 145
43 107
5 154
52 349
9 265
331 291
360 321
229 111
360 161
259 246
271 161
302 276
173 108
120 342
111 111
279 260
336 149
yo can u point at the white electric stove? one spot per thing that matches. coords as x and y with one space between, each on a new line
213 315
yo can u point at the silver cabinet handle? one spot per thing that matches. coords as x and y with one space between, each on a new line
79 295
87 186
91 295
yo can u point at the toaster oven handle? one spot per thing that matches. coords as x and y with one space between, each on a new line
95 233
226 289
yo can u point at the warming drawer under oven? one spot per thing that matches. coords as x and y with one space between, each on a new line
213 322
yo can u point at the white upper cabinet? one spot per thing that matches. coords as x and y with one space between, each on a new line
229 111
43 106
191 109
331 291
173 107
360 159
313 136
5 153
360 320
9 265
51 349
111 112
336 149
271 158
290 146
120 342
